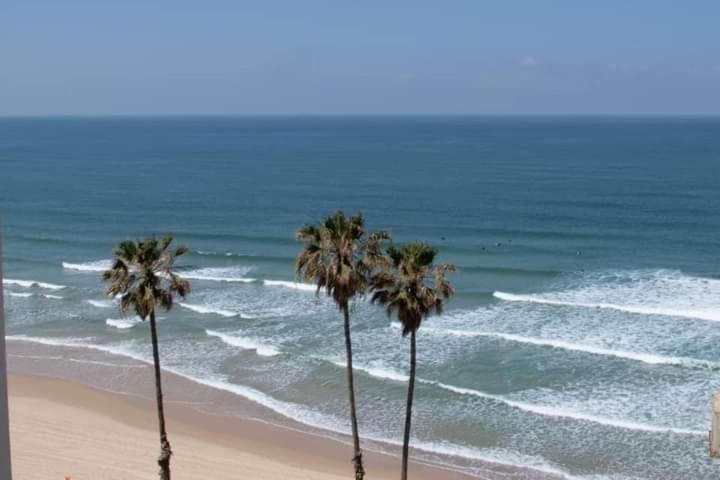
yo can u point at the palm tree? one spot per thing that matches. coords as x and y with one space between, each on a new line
339 257
142 277
413 288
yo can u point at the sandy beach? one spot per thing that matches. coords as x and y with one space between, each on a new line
60 428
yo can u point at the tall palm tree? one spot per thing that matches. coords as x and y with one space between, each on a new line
339 257
413 288
142 277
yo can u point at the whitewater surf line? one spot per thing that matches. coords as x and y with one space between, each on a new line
649 358
32 283
245 343
557 412
637 309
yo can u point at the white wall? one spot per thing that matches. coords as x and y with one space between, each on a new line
5 471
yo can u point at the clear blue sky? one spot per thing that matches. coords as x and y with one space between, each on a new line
370 56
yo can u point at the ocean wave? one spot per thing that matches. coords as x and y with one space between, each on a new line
220 274
318 420
94 266
100 303
32 283
29 294
649 358
123 323
83 343
53 342
669 312
245 343
377 371
211 310
495 456
662 292
206 253
20 295
75 360
295 285
250 257
561 412
385 373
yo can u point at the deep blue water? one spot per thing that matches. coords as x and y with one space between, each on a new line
588 292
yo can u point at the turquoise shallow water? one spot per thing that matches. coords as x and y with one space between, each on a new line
584 335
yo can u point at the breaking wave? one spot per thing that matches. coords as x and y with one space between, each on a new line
32 283
650 358
205 309
122 323
386 373
94 266
245 343
662 292
295 285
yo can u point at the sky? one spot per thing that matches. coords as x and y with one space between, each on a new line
98 57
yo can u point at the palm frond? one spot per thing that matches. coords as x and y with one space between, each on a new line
412 286
142 275
338 256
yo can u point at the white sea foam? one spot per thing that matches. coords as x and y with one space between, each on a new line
662 292
220 274
652 359
69 359
50 296
55 342
561 412
386 373
30 294
32 283
216 254
122 323
494 456
94 266
100 303
209 309
375 370
297 286
669 312
245 343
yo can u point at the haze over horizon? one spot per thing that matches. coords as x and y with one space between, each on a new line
319 57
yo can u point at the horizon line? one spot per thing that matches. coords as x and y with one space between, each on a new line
355 114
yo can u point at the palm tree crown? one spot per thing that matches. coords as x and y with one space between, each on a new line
142 275
338 256
413 287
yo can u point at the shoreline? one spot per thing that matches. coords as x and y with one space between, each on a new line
54 426
39 376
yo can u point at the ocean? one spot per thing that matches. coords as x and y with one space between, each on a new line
584 338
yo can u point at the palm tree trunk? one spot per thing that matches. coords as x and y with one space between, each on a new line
357 456
165 451
408 409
